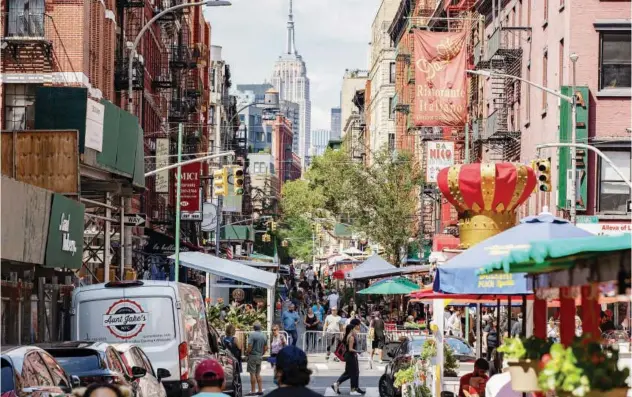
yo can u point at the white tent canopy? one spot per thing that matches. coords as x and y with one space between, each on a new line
226 268
374 266
352 251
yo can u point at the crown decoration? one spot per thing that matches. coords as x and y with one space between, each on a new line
486 196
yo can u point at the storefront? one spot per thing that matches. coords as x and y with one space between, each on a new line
597 226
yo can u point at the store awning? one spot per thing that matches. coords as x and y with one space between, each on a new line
228 269
375 266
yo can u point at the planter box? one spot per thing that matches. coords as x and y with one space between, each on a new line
524 375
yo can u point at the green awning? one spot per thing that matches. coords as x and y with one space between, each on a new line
392 286
553 255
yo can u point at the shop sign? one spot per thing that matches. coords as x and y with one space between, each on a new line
439 155
162 160
95 114
608 229
64 248
190 192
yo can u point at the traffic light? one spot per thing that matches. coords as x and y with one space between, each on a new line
580 156
238 180
266 238
220 182
544 175
273 226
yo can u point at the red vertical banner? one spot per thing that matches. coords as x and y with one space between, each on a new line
190 187
440 79
590 311
567 316
539 318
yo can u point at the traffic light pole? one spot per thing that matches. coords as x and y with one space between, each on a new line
178 198
218 224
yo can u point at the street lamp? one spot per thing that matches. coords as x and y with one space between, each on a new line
130 108
570 99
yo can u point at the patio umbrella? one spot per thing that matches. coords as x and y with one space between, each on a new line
400 280
393 286
459 274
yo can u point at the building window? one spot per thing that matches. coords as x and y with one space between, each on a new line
613 192
19 106
527 96
26 18
561 69
546 11
616 66
391 110
391 73
391 142
545 78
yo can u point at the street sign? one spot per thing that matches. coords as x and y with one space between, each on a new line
134 220
587 219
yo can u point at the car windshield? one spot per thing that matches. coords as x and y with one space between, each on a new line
77 360
6 377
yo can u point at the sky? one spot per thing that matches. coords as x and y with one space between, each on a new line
331 36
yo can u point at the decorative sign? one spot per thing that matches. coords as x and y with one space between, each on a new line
162 160
67 243
439 155
64 247
190 201
440 79
95 113
134 220
239 295
125 319
609 229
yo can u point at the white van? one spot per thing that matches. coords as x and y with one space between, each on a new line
166 319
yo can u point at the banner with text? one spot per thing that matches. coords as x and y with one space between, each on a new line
440 79
439 155
190 201
162 160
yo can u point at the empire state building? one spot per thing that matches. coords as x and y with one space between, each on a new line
290 79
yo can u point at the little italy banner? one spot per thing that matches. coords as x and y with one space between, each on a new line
440 90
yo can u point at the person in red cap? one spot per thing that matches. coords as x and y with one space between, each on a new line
209 376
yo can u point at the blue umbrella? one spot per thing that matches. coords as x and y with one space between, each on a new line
459 274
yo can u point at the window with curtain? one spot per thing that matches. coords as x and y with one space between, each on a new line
19 106
25 18
615 60
391 73
613 192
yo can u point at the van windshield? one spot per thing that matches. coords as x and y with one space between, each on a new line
142 321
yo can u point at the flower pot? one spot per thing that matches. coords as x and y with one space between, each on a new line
619 392
524 375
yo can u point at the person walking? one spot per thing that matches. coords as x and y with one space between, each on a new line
290 319
257 346
232 344
454 324
379 337
492 340
291 374
209 378
319 311
331 329
516 328
311 328
333 299
352 367
277 343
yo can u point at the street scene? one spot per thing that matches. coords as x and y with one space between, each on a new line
299 198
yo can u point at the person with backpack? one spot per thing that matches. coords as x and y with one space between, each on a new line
231 343
352 367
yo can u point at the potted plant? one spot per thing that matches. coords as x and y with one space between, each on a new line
450 363
584 369
523 357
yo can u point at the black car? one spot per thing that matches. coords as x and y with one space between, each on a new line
402 354
94 362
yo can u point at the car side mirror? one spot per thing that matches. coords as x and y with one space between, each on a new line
75 381
162 373
138 372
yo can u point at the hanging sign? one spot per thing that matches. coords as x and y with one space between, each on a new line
439 155
162 160
190 201
440 79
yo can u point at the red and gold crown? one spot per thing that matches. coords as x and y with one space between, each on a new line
486 196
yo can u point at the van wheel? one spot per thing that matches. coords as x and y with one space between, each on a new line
236 386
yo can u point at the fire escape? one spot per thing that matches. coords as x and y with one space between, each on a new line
497 138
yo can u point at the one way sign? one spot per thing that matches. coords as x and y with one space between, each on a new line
135 220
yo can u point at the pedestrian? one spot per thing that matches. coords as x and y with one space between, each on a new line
516 328
257 346
333 299
290 319
578 327
492 339
352 367
291 374
311 328
232 344
319 311
103 390
552 331
454 324
331 329
209 379
278 342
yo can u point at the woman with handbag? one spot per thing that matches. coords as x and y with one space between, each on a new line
352 367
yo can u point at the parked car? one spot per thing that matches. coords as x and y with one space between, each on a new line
29 370
166 319
148 385
94 362
402 354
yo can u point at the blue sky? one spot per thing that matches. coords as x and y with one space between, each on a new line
331 36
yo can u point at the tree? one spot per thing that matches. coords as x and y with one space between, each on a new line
298 231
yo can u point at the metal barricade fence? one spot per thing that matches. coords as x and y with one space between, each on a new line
242 337
319 342
393 335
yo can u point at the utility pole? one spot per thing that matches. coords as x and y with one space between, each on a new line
573 150
178 199
218 225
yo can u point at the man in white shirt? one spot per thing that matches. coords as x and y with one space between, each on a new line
454 323
499 385
332 329
333 300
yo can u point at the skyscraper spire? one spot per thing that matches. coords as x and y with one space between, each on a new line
291 47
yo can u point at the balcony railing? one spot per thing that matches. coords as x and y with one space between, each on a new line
478 53
179 110
179 57
499 44
121 76
27 26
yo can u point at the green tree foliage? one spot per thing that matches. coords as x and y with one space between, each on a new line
379 201
298 230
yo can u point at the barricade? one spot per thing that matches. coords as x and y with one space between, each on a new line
242 337
317 342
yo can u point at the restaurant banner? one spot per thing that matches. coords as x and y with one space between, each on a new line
439 155
440 90
190 201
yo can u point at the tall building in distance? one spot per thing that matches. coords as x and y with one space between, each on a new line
319 141
336 124
290 79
